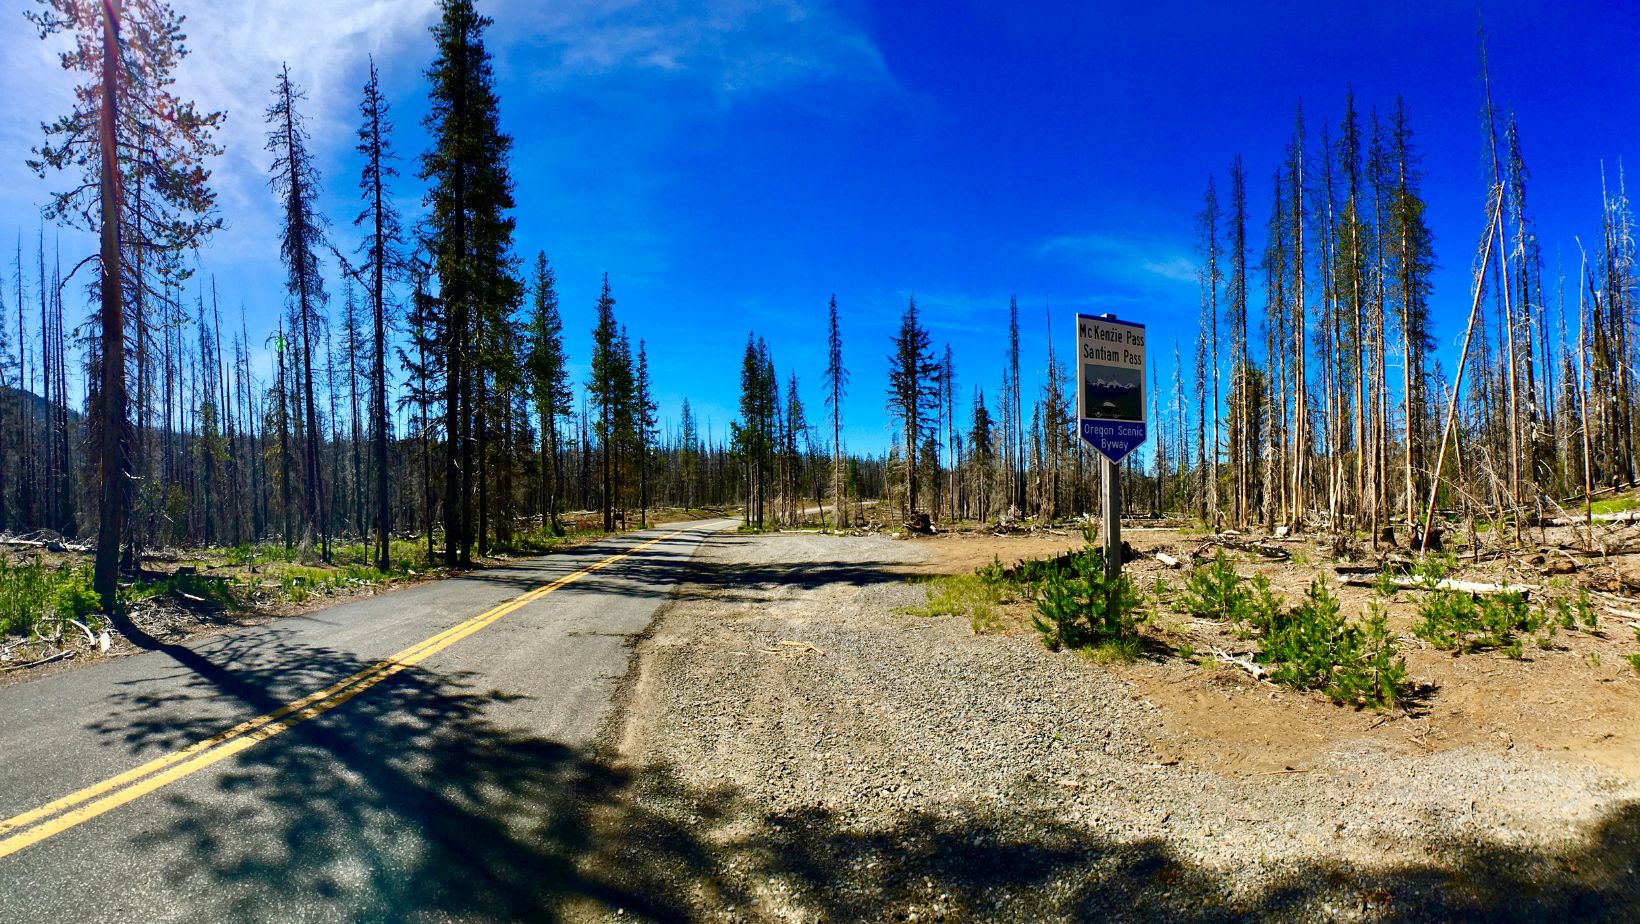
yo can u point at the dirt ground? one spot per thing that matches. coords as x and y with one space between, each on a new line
1579 702
803 746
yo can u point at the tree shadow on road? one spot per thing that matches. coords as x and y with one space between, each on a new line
665 572
414 801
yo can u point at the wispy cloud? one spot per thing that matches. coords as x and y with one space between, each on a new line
1133 260
735 48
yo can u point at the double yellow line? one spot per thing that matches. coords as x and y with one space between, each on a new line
31 827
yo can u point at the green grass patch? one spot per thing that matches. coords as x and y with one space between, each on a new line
965 595
32 594
1615 504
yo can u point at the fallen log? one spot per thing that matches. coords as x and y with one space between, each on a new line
1412 583
1169 560
50 545
1622 516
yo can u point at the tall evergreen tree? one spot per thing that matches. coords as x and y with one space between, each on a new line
1412 262
913 394
603 391
836 389
981 453
470 233
130 140
644 422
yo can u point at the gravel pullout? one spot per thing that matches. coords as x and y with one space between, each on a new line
825 756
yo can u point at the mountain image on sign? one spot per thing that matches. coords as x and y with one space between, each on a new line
1112 394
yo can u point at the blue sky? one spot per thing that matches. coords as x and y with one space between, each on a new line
733 164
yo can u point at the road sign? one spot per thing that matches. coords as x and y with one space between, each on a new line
1110 384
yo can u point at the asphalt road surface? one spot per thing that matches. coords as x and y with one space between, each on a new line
421 755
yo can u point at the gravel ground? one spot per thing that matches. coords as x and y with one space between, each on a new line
799 749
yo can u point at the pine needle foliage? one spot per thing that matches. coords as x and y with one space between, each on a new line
1313 647
1455 621
1079 607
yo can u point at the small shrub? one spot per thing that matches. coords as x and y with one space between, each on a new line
1634 662
239 555
1214 591
191 584
1161 591
73 597
993 574
1078 607
1562 614
1433 567
1313 647
31 594
1458 622
1586 613
1262 603
1546 641
1384 586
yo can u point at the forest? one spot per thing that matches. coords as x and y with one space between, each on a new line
414 398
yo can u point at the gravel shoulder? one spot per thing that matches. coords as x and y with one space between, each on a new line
800 749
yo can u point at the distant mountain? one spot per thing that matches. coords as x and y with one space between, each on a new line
34 405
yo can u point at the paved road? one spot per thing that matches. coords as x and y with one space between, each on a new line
445 785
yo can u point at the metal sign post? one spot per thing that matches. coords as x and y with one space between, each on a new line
1110 408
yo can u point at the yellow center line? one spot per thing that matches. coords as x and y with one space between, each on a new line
81 806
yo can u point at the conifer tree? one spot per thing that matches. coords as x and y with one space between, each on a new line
130 140
603 393
644 422
912 391
1411 263
981 453
470 234
295 181
549 383
836 389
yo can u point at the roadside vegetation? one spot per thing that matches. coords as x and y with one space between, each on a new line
1274 611
47 592
35 595
1308 646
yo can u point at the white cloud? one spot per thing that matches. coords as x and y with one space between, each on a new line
729 50
1133 260
235 50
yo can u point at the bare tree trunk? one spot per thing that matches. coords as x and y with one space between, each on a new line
112 455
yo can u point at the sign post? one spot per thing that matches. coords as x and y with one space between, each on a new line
1110 409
